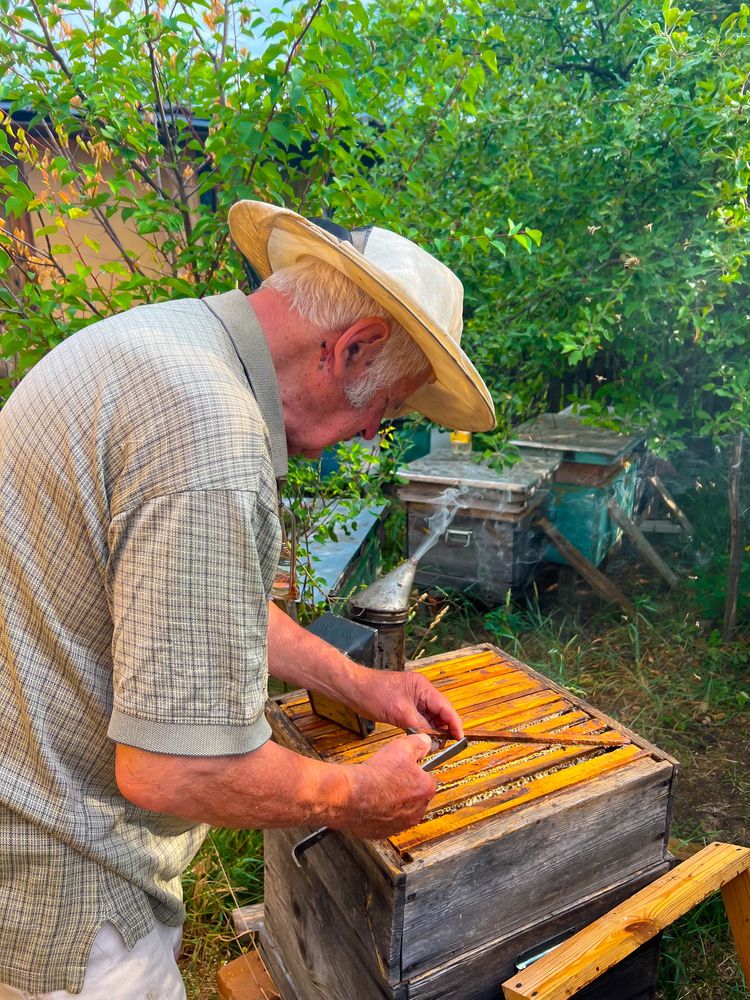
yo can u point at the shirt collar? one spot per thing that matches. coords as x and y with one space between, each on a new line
237 316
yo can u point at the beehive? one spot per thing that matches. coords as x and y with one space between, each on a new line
492 544
520 843
598 465
578 506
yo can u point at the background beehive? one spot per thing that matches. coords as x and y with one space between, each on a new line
520 842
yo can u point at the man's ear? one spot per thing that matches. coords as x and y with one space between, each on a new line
358 346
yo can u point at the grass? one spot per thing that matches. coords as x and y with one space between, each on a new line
227 872
666 674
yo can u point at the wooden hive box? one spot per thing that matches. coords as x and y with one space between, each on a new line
520 844
578 506
492 544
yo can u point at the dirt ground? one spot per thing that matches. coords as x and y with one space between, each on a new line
713 791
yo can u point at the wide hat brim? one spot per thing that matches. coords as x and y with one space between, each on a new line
458 397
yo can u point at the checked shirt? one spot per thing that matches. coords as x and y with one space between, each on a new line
139 538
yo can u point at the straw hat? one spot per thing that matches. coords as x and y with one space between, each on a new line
421 294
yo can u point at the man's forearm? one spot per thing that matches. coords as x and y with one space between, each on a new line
300 658
271 787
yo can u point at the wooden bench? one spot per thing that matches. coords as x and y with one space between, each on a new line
602 944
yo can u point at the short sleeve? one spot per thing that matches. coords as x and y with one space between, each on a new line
189 578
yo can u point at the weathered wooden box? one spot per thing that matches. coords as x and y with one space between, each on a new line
492 545
521 843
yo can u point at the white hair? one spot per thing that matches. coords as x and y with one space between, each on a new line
332 302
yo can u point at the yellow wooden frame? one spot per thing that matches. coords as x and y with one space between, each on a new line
605 942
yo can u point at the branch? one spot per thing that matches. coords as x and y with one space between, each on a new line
186 221
431 133
290 58
591 67
53 51
103 220
621 9
57 56
218 249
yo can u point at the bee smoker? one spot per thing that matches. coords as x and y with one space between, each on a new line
384 606
375 632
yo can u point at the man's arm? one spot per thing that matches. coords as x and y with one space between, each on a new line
274 787
402 698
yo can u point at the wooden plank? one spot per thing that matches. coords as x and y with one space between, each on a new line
483 659
532 770
657 527
274 962
489 690
737 904
467 652
476 757
525 736
523 864
246 978
536 710
495 673
559 780
671 504
247 920
641 543
611 938
596 713
333 932
601 584
735 538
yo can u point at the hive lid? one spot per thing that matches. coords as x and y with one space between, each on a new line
448 469
568 432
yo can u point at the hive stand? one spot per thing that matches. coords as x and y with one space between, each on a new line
592 951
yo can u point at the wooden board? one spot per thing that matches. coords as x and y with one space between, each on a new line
615 935
310 908
489 690
246 978
490 964
618 828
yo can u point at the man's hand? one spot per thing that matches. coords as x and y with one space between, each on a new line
405 699
391 789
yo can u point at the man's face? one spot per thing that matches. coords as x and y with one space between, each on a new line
334 419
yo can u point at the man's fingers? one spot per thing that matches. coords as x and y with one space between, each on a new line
441 714
420 744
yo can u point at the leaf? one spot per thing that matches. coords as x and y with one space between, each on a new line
490 59
523 240
48 230
279 131
535 234
114 267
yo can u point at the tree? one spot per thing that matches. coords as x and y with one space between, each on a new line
583 166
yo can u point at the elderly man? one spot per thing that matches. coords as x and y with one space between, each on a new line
139 538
